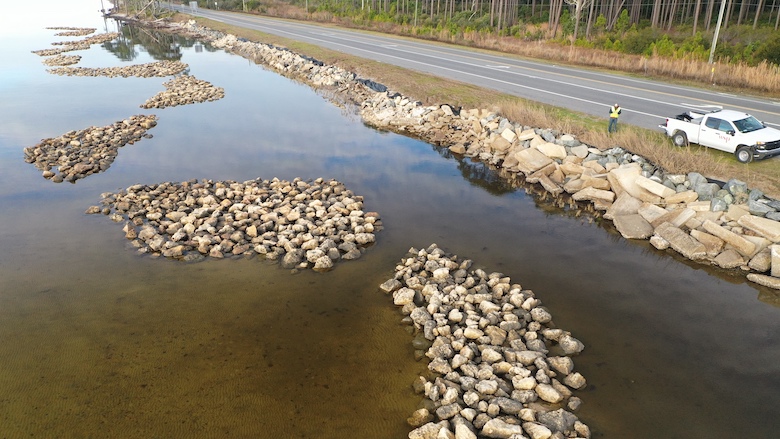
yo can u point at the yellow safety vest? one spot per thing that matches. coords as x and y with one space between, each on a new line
614 112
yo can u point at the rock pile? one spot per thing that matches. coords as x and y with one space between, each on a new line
183 90
94 39
727 225
69 46
72 31
58 50
148 70
500 368
301 224
62 60
77 154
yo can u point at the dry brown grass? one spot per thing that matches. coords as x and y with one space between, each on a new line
652 145
763 78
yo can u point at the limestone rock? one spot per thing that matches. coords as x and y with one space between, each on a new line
428 431
537 431
765 227
767 281
741 244
531 160
729 259
682 242
633 226
496 428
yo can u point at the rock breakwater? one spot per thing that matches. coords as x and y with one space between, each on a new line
58 50
69 46
94 39
62 60
299 223
148 70
183 90
499 366
69 31
78 154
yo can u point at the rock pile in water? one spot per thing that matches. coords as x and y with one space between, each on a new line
148 70
183 90
58 50
69 46
500 368
62 60
299 223
72 31
77 154
94 39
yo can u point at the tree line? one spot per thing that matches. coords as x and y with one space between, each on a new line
671 28
504 13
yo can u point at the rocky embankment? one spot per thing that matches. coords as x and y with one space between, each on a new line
78 154
500 368
184 90
298 223
728 225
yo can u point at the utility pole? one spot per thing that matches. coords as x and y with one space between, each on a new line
715 39
717 30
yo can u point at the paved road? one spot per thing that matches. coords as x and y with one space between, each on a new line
645 103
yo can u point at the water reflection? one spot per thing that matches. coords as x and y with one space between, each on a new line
134 40
479 173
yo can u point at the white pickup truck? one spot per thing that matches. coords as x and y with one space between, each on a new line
727 130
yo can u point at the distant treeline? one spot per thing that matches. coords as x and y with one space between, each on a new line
671 28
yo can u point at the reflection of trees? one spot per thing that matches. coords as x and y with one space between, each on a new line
160 46
479 173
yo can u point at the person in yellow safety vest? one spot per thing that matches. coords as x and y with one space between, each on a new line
614 113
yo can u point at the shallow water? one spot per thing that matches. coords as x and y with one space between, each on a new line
101 342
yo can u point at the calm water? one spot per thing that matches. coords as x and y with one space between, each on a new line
100 342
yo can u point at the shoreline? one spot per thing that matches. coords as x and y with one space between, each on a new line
730 225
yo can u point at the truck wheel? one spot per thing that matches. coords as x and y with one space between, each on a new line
744 154
680 139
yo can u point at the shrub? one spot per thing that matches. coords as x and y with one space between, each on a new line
694 47
639 42
663 47
770 50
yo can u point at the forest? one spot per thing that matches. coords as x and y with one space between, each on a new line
669 38
675 28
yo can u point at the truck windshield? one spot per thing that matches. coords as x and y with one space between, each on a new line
748 124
